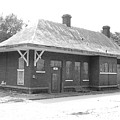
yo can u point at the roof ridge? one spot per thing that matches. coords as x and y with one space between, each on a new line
53 22
72 27
86 29
34 31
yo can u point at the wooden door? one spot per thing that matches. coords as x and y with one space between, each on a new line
55 80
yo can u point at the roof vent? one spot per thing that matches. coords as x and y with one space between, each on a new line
67 20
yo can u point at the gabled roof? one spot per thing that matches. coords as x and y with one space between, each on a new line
56 36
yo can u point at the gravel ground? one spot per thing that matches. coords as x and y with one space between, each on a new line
13 96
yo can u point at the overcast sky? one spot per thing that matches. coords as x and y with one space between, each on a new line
88 14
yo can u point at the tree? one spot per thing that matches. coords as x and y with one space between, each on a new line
9 26
116 37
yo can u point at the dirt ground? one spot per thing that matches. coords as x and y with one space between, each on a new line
13 96
103 106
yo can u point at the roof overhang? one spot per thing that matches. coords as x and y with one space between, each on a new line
29 46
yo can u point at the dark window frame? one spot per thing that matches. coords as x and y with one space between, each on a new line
108 67
86 71
21 63
69 70
40 66
56 63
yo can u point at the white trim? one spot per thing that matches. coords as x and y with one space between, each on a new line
68 80
40 71
27 58
85 80
20 69
107 73
105 86
20 81
23 56
37 56
79 87
35 52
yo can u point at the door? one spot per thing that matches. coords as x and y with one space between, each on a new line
55 76
55 80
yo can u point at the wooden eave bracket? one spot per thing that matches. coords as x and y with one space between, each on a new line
37 56
26 59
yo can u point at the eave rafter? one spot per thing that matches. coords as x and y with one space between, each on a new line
25 56
37 56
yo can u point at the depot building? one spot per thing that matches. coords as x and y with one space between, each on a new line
53 57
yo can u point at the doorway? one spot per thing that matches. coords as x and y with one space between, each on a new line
56 82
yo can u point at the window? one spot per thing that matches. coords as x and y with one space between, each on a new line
118 68
102 68
77 67
55 63
20 77
85 70
114 68
110 67
106 67
41 65
20 72
69 70
77 71
21 63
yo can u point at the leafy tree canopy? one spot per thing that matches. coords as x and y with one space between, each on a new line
9 26
116 37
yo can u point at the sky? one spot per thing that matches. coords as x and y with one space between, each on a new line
87 14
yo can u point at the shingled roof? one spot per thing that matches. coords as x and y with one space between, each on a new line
52 36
